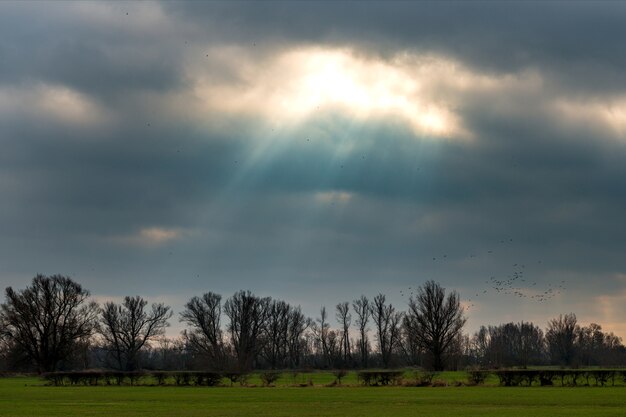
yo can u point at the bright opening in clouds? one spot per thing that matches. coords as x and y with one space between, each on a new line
293 85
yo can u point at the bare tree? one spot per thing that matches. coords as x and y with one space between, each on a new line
344 318
597 348
5 348
510 344
480 345
361 307
612 351
435 320
590 344
128 327
247 327
321 329
530 344
409 344
203 314
275 350
163 354
387 322
297 325
561 337
333 346
48 319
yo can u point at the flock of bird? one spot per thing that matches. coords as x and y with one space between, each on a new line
515 284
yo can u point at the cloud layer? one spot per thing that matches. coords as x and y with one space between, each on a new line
317 151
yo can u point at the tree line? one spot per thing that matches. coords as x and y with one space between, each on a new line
53 324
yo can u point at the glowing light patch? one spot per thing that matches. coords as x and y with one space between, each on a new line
158 235
151 236
609 307
294 85
52 102
607 116
67 105
361 88
330 197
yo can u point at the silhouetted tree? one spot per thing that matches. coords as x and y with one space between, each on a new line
247 327
590 344
435 320
361 307
409 344
561 338
296 329
48 319
128 327
333 347
321 330
480 346
531 344
275 349
597 348
5 349
168 354
203 314
344 318
510 344
387 322
458 352
612 352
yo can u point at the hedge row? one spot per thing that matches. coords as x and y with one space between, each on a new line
509 378
183 378
564 377
179 378
382 377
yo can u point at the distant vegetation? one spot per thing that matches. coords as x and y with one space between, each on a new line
53 325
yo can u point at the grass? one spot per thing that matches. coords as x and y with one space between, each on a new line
29 397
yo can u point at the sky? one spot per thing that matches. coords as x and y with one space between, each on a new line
317 151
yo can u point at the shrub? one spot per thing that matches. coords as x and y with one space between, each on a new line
477 376
375 378
160 377
135 376
269 377
208 379
240 377
339 374
54 378
182 378
424 379
545 379
118 377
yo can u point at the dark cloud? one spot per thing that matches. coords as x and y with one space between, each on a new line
59 44
578 43
518 179
186 202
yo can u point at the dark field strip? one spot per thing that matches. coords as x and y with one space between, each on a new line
27 397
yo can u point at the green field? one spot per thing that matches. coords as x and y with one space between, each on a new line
29 397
